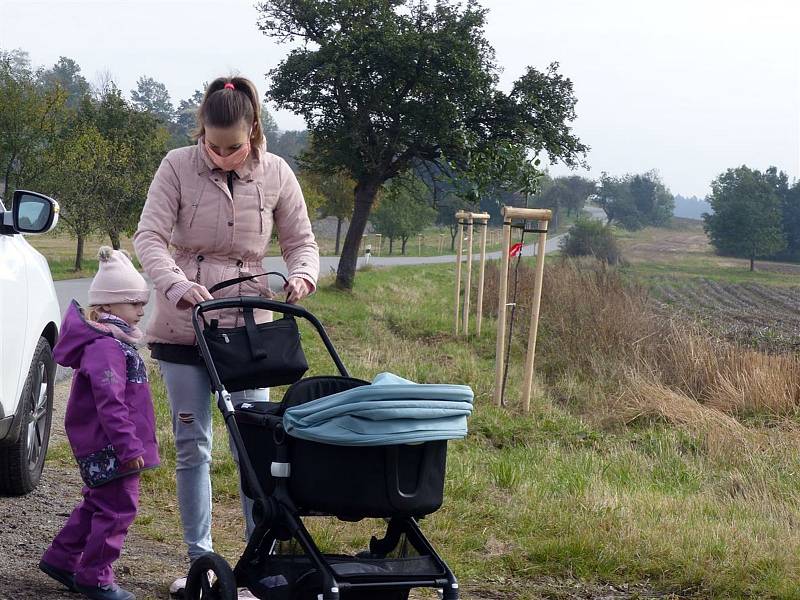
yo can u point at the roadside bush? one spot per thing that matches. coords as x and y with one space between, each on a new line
589 237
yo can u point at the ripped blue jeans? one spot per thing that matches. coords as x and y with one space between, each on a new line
189 392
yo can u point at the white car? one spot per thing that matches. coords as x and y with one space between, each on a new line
29 320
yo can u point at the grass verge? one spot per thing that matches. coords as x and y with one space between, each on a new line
614 476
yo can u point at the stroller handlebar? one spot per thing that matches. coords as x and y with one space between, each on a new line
254 302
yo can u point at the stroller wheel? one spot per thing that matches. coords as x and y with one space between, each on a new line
210 578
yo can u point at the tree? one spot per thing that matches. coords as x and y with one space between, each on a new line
635 201
152 96
337 197
614 197
30 119
289 145
268 124
403 211
311 194
186 117
553 196
446 210
66 74
76 175
386 84
17 62
137 142
791 221
747 219
653 201
576 192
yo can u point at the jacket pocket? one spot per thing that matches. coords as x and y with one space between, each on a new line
266 202
99 467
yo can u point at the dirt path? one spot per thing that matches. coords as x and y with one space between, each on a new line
30 522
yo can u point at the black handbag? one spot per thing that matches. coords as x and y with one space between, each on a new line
255 355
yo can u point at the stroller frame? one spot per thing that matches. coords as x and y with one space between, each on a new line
276 515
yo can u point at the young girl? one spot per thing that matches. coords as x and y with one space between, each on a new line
209 217
110 425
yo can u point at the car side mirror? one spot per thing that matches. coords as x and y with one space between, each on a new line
33 212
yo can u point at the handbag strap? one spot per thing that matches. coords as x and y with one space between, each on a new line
256 351
235 280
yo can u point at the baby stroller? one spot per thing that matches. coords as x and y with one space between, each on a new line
290 478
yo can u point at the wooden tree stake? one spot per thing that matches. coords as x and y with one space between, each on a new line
481 277
468 282
460 215
534 325
526 214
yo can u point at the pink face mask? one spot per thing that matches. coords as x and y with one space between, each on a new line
232 161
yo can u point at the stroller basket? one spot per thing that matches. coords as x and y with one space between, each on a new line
294 576
346 481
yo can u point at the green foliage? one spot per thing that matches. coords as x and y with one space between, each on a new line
501 165
446 209
75 168
576 191
403 211
152 96
185 122
652 200
635 201
791 222
138 142
747 217
335 193
289 145
338 192
30 118
590 237
66 74
385 85
95 155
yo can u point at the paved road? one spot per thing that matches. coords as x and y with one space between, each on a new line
78 288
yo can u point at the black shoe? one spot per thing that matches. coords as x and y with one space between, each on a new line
62 576
104 592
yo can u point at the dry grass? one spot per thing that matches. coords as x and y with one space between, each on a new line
644 398
607 330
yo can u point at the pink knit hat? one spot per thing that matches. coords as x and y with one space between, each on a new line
117 281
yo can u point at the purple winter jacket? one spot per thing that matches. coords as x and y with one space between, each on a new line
109 419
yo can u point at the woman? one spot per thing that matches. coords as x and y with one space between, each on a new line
215 203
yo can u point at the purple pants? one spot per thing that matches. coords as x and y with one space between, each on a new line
92 538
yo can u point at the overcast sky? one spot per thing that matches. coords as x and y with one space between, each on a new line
688 87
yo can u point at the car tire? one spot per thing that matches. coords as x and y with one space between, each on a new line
21 462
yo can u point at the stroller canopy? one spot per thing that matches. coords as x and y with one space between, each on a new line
391 410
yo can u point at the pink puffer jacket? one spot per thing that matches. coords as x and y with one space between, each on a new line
215 237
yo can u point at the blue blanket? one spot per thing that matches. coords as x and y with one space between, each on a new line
391 410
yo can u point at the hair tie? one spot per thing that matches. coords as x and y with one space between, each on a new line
229 86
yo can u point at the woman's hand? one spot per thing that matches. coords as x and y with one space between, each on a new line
296 289
195 295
